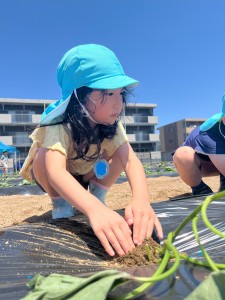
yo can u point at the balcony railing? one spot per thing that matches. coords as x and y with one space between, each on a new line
21 141
20 118
141 137
145 120
141 119
23 118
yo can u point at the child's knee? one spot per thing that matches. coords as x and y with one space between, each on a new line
183 155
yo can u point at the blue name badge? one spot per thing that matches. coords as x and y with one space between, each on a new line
101 168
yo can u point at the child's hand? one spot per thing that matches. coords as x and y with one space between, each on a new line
143 218
112 231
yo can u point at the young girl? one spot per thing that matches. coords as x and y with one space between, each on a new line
80 148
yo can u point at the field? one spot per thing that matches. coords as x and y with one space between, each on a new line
17 209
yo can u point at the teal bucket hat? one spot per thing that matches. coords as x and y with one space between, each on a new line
214 119
91 65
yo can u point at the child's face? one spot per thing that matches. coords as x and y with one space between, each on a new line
105 108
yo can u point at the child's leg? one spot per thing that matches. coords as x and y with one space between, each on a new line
189 167
97 187
61 208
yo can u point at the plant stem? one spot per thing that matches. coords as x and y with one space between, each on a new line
186 220
199 262
148 252
208 200
207 257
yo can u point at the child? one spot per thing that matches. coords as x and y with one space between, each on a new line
80 144
203 154
4 161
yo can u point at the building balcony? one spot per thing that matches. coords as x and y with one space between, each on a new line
143 137
10 119
145 157
16 141
6 140
135 120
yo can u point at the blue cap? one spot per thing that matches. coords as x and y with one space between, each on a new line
90 65
214 119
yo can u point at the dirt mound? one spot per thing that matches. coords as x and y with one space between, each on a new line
140 256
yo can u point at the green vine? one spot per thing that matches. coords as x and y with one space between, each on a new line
170 250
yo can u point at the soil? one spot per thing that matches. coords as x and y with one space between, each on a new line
139 256
23 209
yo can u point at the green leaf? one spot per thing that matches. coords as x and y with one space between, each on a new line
212 287
59 287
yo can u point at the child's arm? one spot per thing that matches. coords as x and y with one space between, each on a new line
139 212
111 229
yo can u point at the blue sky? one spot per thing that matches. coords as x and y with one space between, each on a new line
175 48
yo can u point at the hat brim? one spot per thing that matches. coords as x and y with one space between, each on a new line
54 112
112 83
211 122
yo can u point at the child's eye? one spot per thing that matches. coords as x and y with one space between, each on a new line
109 94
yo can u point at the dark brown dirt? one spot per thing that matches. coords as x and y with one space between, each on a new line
139 256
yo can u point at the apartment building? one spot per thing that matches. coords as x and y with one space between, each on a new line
174 134
139 122
18 117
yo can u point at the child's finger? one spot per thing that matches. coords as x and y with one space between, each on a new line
127 238
159 229
150 228
105 243
129 216
144 228
115 242
136 227
120 239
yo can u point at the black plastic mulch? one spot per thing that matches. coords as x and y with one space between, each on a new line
70 247
21 190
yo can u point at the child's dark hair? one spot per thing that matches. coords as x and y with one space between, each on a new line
82 133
